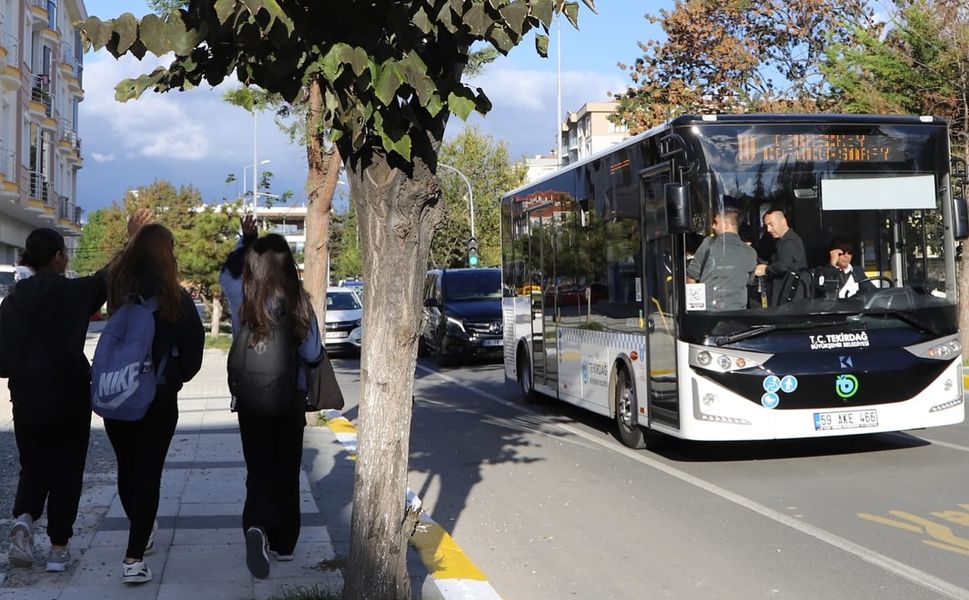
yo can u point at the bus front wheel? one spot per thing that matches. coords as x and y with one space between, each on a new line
627 408
525 377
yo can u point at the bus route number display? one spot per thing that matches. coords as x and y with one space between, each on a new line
818 147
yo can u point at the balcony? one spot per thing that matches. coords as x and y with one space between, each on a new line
10 62
41 196
41 97
71 68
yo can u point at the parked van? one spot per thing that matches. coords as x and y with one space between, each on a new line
462 314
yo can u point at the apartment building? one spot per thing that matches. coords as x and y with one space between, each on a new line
588 130
40 89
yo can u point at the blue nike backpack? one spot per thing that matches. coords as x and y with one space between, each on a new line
123 378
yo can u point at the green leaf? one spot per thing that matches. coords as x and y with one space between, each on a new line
541 45
434 105
387 82
422 21
543 10
592 5
460 106
514 15
571 10
151 32
126 26
224 9
477 20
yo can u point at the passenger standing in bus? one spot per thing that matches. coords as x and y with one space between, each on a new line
788 259
724 264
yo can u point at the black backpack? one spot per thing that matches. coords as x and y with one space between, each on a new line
262 377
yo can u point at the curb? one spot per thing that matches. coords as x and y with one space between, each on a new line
451 570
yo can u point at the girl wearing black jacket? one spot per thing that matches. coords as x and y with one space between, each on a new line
43 325
147 268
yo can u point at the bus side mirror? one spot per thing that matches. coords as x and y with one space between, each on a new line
678 215
960 218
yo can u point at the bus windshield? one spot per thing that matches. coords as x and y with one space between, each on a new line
865 207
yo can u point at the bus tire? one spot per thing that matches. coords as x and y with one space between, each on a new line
524 371
627 409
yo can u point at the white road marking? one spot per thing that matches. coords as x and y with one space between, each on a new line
868 555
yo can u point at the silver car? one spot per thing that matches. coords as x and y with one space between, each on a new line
344 313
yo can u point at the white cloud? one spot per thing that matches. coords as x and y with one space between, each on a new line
98 157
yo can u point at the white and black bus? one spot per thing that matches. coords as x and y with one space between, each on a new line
598 312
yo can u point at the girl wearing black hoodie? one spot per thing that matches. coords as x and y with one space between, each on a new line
43 326
147 268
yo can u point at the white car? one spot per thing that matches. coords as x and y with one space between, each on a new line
344 314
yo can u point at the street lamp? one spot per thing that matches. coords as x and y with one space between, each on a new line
470 193
254 190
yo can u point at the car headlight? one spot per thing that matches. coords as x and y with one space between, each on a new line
715 359
455 324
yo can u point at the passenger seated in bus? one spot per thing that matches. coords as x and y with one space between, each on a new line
838 278
724 264
788 259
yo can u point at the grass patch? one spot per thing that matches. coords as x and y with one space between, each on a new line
305 593
218 342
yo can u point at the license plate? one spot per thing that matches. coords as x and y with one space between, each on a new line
847 419
332 335
494 342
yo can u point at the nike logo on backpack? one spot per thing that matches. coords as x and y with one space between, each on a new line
121 382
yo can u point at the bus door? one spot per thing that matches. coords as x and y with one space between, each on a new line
660 287
536 286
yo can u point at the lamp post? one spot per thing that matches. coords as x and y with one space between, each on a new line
470 193
255 194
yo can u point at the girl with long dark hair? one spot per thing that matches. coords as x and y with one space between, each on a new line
271 307
43 325
147 268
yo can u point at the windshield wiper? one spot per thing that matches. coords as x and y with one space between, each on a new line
762 329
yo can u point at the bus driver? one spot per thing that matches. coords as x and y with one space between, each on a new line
724 264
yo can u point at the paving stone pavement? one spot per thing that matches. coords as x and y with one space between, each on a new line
199 549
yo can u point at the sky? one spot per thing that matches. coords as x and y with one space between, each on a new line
195 138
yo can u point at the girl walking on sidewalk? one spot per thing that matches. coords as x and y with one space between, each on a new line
43 325
278 333
147 268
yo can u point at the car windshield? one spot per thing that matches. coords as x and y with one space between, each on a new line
472 285
342 301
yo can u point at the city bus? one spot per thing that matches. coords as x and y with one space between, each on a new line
598 312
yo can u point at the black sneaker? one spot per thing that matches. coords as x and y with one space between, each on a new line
256 557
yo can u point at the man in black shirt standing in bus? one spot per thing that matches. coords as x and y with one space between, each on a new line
788 257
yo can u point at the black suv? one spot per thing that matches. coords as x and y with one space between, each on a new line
462 314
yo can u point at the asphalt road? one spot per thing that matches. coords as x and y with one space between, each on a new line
550 505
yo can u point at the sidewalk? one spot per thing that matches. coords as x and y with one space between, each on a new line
199 548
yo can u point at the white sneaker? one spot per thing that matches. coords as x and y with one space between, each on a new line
58 560
257 558
281 557
21 553
136 572
150 546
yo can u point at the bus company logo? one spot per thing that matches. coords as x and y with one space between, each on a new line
595 372
846 386
831 341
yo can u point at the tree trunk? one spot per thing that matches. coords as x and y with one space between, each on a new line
216 314
397 216
321 177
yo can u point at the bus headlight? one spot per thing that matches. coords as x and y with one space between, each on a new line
944 349
705 357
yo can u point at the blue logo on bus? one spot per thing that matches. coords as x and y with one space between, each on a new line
789 384
770 400
772 383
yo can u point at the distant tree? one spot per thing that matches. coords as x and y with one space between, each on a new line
382 79
163 7
345 246
204 246
736 56
486 164
101 238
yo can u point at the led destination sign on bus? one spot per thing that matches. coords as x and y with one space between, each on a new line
818 147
